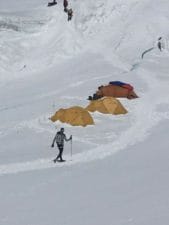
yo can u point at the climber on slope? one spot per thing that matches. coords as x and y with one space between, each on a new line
70 14
65 5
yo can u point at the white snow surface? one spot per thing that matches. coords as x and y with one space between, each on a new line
118 174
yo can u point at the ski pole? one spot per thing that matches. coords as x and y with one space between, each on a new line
71 151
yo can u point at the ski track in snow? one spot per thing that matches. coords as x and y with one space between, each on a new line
96 154
139 129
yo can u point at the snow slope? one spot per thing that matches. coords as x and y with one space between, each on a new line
118 173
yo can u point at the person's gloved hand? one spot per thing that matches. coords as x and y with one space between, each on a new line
52 145
70 137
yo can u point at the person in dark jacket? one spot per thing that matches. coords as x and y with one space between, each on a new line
159 43
65 5
59 139
70 14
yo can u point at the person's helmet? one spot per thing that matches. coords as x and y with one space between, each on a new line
62 129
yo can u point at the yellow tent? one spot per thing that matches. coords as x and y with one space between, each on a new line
76 116
108 105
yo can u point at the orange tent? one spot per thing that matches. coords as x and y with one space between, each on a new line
115 91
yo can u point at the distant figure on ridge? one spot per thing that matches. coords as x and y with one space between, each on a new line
70 14
52 3
65 5
160 44
59 138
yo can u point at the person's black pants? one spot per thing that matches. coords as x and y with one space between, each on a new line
59 156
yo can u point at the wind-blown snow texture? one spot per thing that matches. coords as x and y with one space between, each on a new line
118 174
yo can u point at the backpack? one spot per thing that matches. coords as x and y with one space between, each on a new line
59 138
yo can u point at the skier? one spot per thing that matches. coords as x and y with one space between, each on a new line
59 138
65 5
70 14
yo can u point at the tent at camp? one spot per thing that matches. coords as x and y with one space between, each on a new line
115 89
108 105
75 116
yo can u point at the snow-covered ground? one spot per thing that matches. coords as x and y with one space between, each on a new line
118 174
